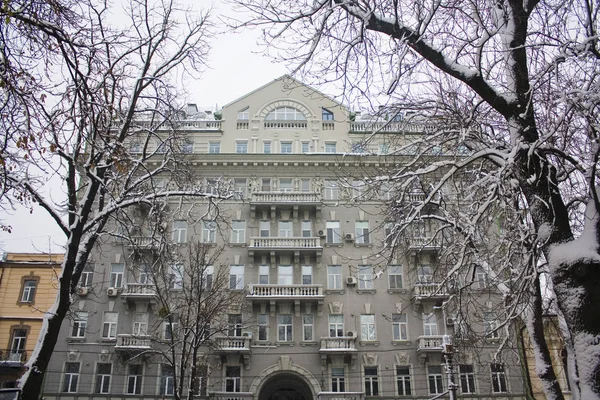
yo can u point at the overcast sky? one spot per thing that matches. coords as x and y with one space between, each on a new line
236 68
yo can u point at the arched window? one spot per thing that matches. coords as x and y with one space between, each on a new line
285 114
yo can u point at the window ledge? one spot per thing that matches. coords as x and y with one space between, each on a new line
401 291
369 342
75 339
363 244
334 244
309 343
335 291
108 340
366 291
238 244
291 344
401 343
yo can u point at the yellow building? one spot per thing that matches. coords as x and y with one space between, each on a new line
28 285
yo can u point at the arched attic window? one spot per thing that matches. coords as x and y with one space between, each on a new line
285 114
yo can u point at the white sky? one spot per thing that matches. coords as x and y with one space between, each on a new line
236 68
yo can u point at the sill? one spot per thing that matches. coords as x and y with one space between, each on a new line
401 291
76 339
291 344
400 342
334 244
308 343
363 244
238 244
335 291
108 340
366 291
369 343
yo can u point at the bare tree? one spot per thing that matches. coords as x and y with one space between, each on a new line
90 102
510 93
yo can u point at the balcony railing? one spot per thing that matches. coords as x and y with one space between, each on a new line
285 124
285 243
338 344
430 343
205 125
423 242
144 242
284 198
13 356
139 290
286 291
386 127
232 396
133 342
233 344
430 290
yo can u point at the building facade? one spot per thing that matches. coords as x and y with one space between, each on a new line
28 286
327 311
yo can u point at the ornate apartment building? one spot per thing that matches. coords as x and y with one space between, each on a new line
28 286
324 310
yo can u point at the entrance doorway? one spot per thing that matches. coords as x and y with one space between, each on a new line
285 386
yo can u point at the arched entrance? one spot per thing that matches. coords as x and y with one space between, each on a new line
285 386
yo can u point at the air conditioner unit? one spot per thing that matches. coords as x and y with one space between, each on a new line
321 233
351 334
450 321
83 291
351 281
112 292
348 237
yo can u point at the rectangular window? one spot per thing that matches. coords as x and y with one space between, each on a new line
140 324
307 277
305 147
334 277
109 326
286 147
263 274
214 147
134 379
167 385
367 327
338 380
79 324
434 378
306 228
87 276
207 276
285 275
145 276
384 148
29 287
336 325
286 185
334 233
425 274
361 232
267 147
395 276
371 382
17 348
481 278
241 146
263 326
430 327
176 272
467 378
180 231
238 231
305 185
359 148
240 186
244 115
498 378
264 227
308 321
327 116
284 327
71 378
358 190
399 327
212 186
187 147
265 185
171 329
201 383
233 379
209 231
285 229
103 372
116 275
330 147
234 325
236 277
365 277
332 190
403 380
490 324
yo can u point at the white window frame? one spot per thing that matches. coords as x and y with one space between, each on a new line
308 325
238 231
263 274
267 147
167 382
71 378
334 277
430 324
176 276
330 147
285 327
499 381
180 229
140 324
286 185
103 379
109 327
214 147
338 379
79 324
209 231
285 228
243 114
285 275
263 327
466 378
435 380
134 380
233 382
117 271
331 189
399 326
236 277
395 275
336 325
403 380
29 289
368 331
361 232
207 276
264 228
307 275
334 232
286 147
365 277
371 381
241 146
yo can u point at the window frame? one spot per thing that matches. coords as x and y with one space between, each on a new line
135 379
103 379
403 381
371 381
361 232
180 231
214 147
117 277
308 327
399 327
498 375
233 379
368 329
285 327
338 379
238 231
466 379
333 232
336 325
286 147
366 276
241 146
70 377
79 324
109 327
334 278
435 381
236 271
167 382
29 286
395 276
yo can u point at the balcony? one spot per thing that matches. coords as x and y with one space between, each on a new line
142 242
295 200
295 293
338 346
13 358
233 344
296 245
133 342
423 243
387 127
429 291
139 291
430 344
